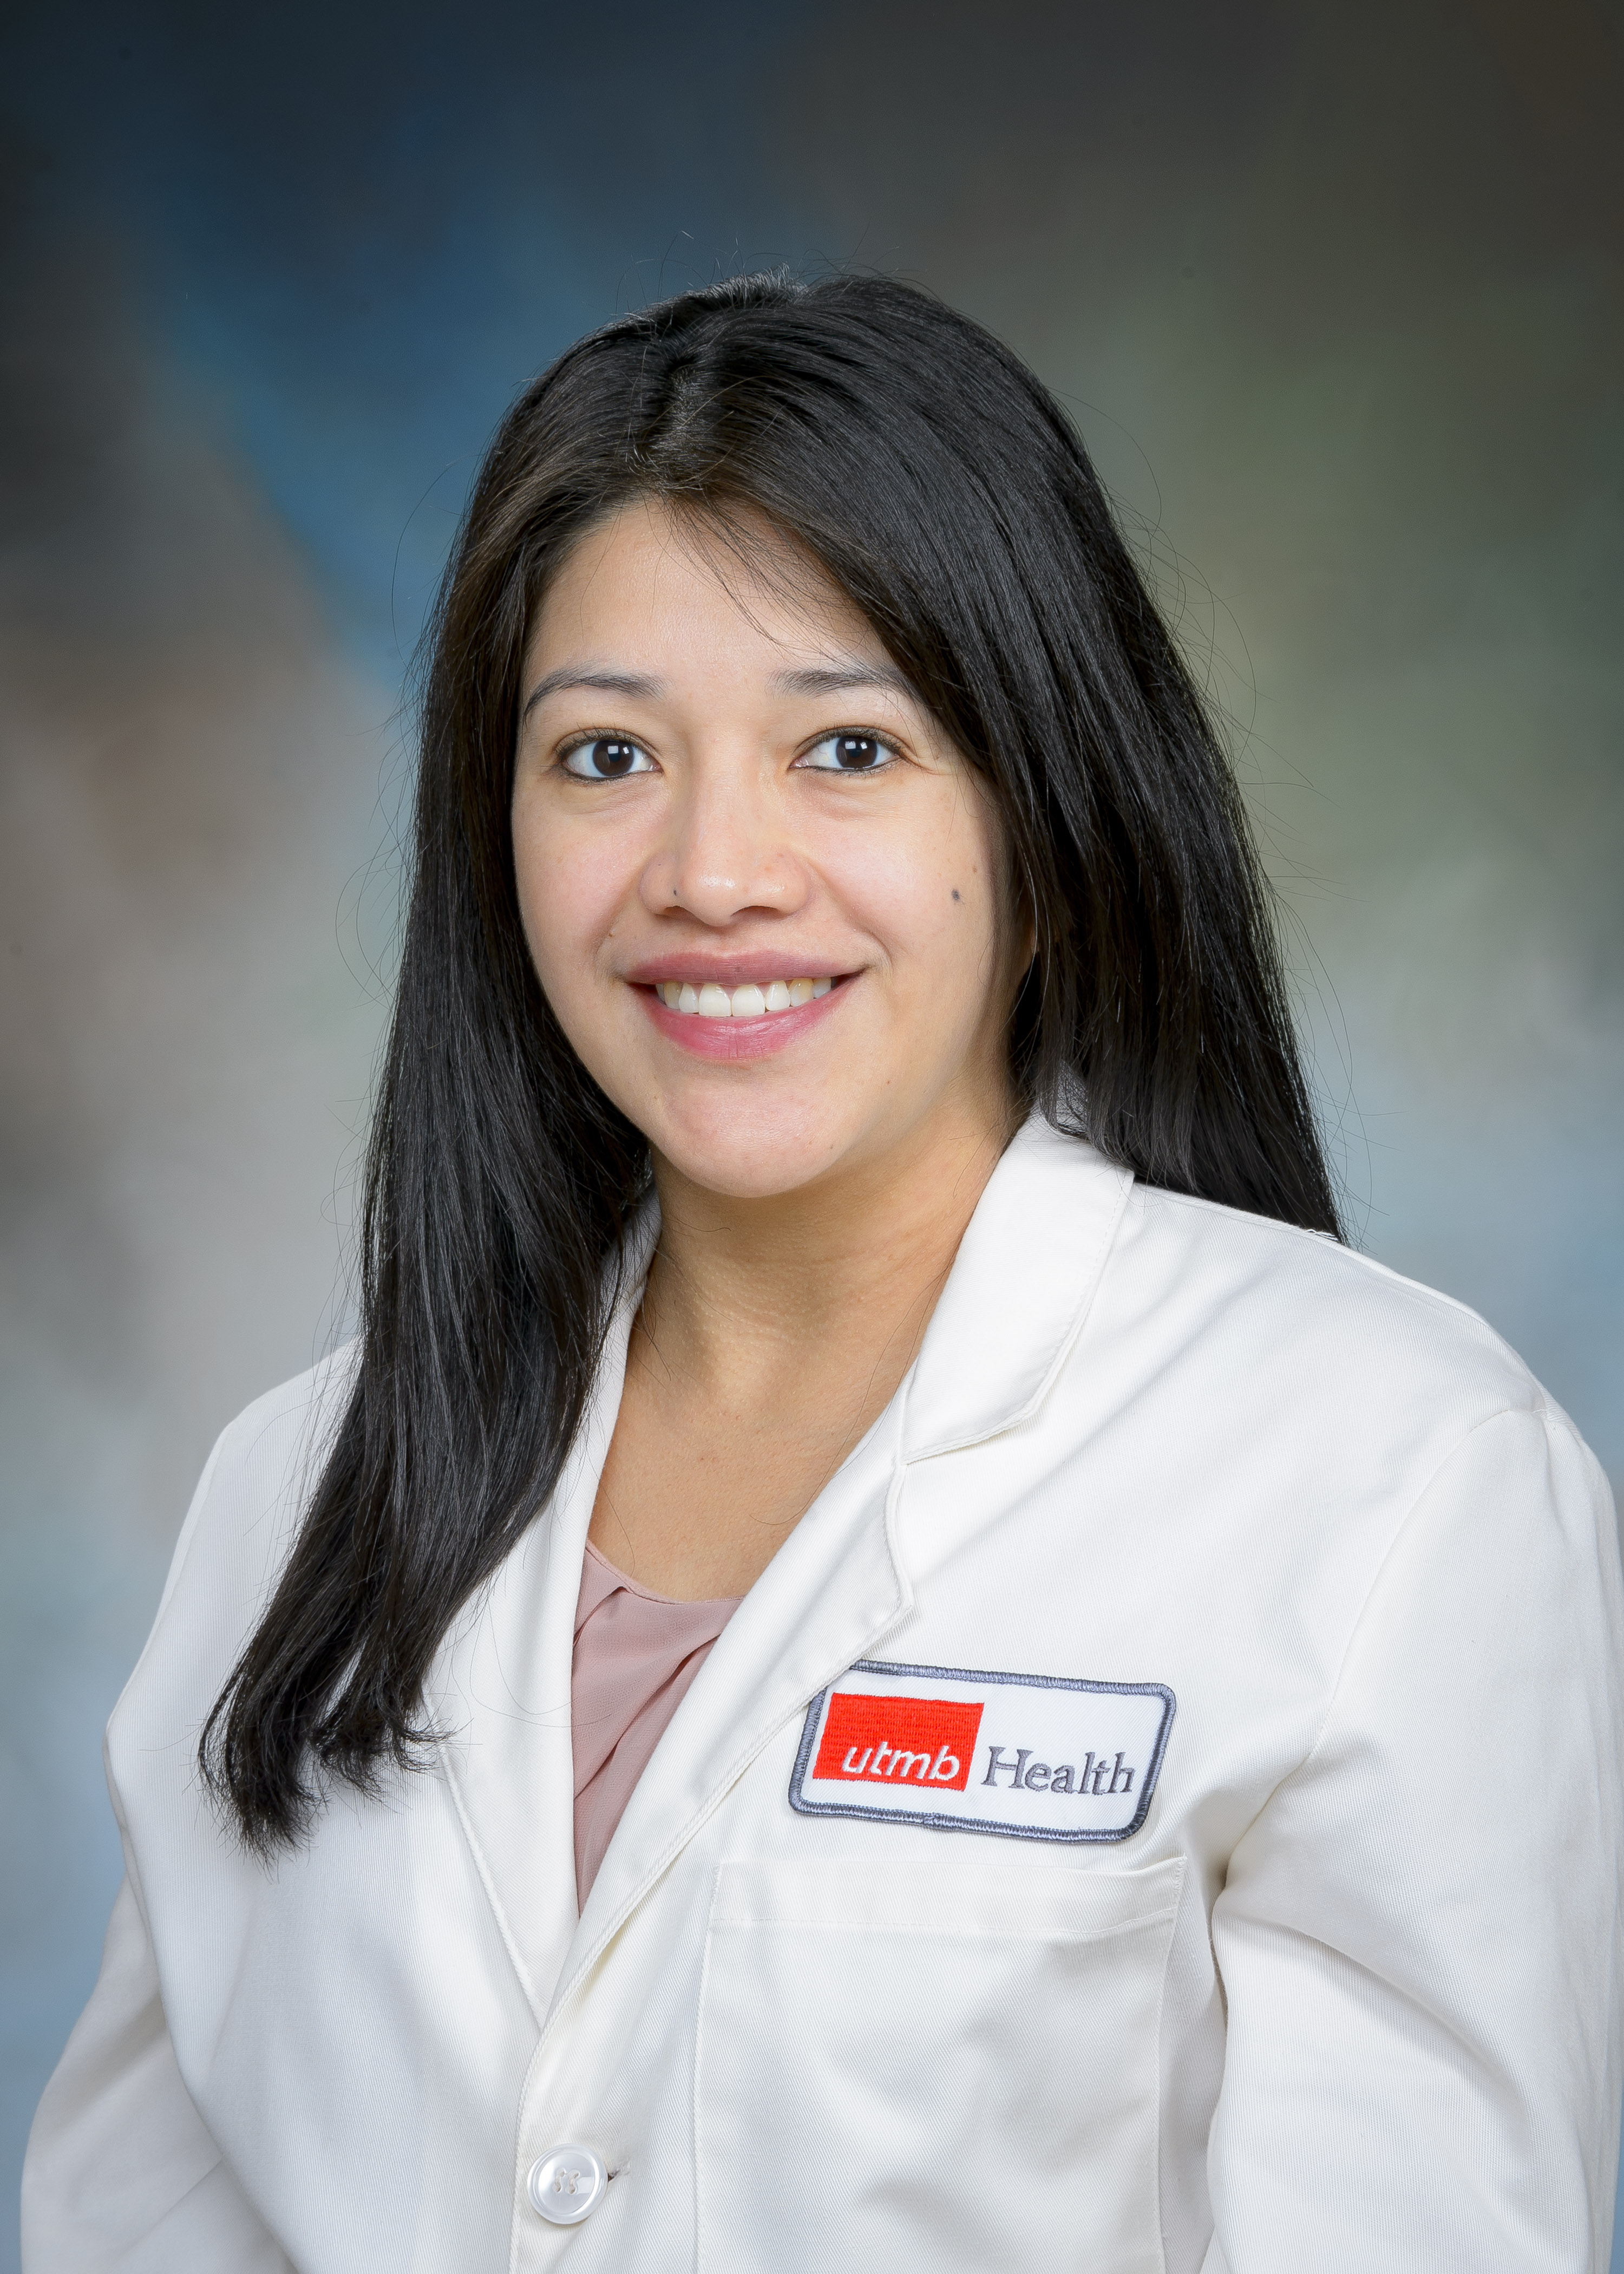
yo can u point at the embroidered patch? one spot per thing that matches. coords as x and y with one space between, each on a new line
1029 1756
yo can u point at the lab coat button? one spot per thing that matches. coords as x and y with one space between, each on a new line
567 2183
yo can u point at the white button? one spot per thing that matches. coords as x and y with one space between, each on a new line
567 2183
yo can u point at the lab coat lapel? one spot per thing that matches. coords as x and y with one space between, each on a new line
500 1698
832 1591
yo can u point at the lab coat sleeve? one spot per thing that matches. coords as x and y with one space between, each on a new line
1419 1934
122 2176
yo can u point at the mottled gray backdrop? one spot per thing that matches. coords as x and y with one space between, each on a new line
1334 295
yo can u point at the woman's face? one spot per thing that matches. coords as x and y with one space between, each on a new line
763 894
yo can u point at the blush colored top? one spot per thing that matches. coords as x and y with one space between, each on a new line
636 1653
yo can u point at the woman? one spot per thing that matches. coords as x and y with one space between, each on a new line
885 1653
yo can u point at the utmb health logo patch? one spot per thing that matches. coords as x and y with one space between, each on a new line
1027 1756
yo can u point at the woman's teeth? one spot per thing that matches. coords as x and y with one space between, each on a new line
712 1002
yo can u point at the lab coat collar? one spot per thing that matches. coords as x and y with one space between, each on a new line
1019 1292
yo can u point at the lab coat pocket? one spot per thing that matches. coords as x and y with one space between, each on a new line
931 2065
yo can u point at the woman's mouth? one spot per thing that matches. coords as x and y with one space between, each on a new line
757 1019
750 1001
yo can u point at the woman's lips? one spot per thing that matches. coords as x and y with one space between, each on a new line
736 1036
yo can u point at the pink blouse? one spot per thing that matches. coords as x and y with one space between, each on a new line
635 1656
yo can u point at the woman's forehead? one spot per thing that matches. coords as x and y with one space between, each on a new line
650 572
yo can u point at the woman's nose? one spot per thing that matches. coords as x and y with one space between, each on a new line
727 851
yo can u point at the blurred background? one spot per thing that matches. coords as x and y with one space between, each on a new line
1334 297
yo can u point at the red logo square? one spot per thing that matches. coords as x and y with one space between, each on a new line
919 1742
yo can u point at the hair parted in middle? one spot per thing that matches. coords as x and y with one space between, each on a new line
904 452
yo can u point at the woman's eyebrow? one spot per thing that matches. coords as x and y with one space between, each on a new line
606 682
842 678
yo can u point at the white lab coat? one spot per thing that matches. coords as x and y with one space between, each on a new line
1348 1997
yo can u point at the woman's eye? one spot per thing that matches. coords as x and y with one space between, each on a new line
607 757
849 754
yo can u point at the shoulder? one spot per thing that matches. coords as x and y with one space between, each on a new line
265 1465
1289 1410
1321 1314
242 1522
1210 1321
1327 1385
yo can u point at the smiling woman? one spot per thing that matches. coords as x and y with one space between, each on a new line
885 1651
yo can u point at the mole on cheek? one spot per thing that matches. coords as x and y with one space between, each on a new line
955 894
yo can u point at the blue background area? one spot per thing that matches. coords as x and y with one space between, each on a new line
1335 299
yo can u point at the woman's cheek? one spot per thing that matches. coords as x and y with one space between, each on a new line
934 914
892 879
570 894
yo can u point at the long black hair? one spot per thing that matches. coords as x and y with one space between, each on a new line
930 475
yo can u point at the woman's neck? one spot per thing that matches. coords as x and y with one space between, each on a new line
772 1335
750 1288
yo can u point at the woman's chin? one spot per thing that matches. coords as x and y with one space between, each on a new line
750 1155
